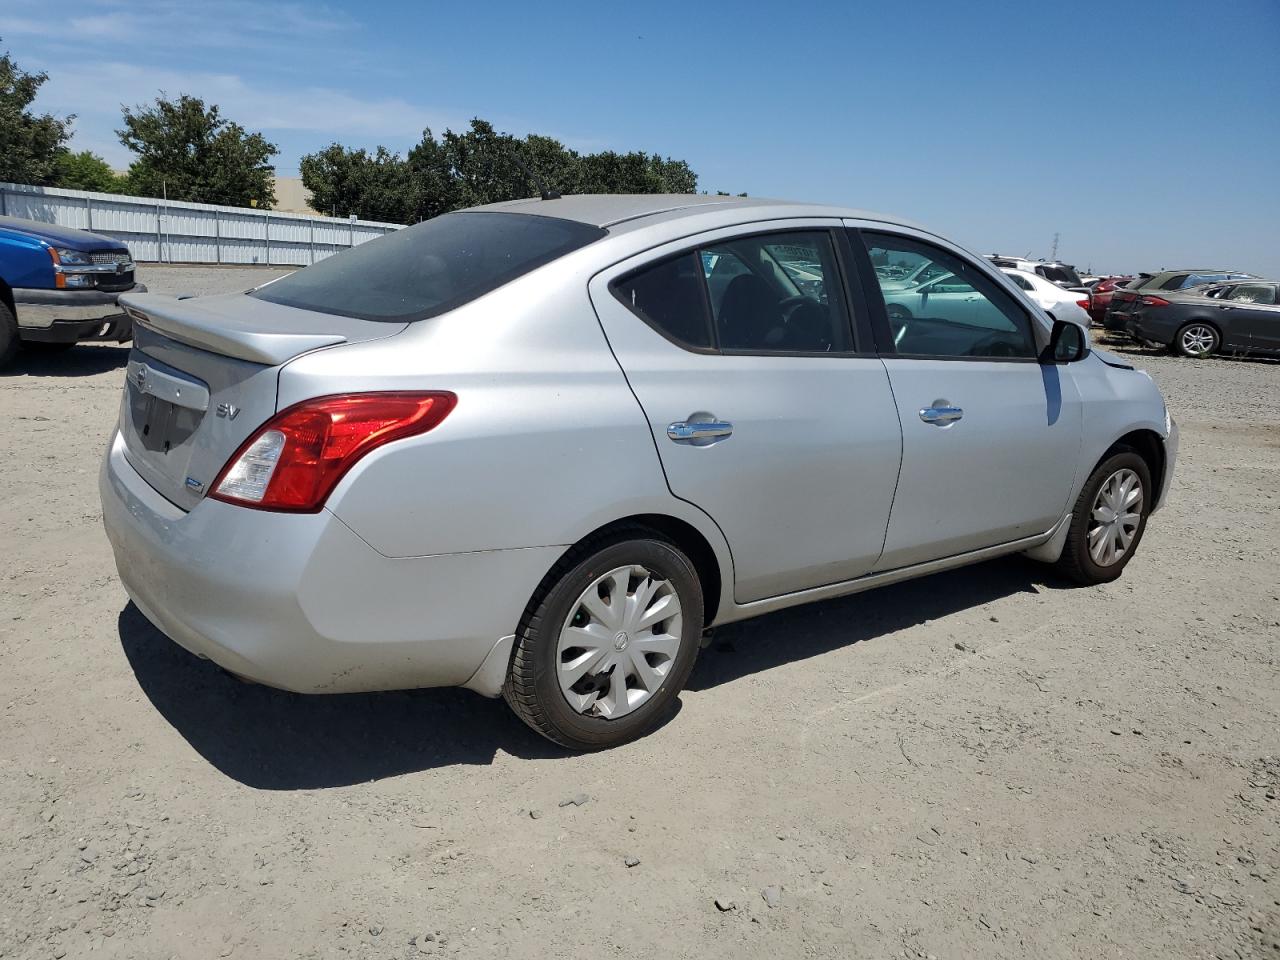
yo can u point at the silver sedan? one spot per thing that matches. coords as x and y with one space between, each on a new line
538 448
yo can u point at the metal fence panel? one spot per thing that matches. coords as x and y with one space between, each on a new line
178 232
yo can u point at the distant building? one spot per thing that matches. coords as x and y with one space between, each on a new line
292 196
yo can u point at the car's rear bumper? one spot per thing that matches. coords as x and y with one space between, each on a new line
300 602
65 316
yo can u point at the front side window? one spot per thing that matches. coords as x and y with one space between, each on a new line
771 293
959 313
1263 293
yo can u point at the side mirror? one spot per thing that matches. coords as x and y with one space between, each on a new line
1067 344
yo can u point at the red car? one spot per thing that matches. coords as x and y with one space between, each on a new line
1100 295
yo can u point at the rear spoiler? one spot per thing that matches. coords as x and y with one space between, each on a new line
234 325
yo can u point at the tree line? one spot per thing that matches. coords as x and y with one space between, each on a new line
187 150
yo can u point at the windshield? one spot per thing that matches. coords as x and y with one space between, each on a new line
430 268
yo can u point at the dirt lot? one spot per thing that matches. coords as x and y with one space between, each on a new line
1095 774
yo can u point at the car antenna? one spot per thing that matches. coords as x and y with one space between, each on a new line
545 192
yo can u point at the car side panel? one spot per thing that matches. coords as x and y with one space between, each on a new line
1116 403
546 444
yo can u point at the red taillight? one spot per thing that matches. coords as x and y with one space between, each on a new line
294 460
1084 304
1153 301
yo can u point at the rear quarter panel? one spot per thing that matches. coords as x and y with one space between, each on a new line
547 442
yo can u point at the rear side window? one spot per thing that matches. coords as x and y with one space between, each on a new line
768 293
668 296
430 268
1263 293
1175 282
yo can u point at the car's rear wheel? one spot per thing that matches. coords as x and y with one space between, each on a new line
607 643
1108 520
8 334
1196 340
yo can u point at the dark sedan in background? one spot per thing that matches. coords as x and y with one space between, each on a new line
1230 317
1124 299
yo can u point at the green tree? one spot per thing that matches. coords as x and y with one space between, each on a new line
475 166
373 186
189 152
86 171
29 143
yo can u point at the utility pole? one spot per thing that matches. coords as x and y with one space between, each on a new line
1053 255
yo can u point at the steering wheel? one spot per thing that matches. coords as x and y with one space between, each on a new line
993 346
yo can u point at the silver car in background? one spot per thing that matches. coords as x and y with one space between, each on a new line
537 448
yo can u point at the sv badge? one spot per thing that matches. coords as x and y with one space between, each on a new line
228 410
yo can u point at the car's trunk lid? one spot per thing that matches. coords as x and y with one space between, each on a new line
202 376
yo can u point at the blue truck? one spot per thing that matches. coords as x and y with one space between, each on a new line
59 286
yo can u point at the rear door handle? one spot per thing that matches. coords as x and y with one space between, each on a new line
941 415
699 432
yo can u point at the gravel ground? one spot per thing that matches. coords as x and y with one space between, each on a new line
986 762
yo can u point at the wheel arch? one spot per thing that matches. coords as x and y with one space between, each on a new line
1150 447
684 535
6 298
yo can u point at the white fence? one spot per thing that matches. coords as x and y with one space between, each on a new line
174 232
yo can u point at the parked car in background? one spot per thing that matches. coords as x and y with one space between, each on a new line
1228 318
1125 297
1062 303
535 448
59 286
1063 274
1100 293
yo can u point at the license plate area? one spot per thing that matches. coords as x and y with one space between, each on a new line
161 426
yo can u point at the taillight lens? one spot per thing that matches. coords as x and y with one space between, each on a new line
295 459
1084 304
1153 301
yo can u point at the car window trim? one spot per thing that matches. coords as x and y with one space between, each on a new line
695 248
884 334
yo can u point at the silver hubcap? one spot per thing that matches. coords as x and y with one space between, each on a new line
1117 511
1197 340
619 642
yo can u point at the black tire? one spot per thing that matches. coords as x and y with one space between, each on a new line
533 688
1214 341
1076 561
38 346
8 334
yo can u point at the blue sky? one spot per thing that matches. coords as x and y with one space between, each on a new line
1146 134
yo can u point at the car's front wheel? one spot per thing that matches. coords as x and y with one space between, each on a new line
608 642
1109 518
1196 340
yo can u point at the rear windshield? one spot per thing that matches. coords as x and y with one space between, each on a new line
430 268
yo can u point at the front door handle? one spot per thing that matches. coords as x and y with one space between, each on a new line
699 432
941 414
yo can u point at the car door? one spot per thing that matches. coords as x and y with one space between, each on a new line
1250 316
765 413
990 438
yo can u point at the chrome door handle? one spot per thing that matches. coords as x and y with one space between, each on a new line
705 431
940 415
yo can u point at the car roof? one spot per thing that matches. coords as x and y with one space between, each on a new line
631 210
